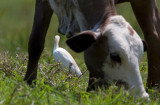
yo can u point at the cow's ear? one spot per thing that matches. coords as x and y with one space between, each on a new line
82 41
144 45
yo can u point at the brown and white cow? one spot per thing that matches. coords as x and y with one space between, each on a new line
114 55
94 15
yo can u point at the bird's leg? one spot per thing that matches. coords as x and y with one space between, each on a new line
69 72
70 65
58 64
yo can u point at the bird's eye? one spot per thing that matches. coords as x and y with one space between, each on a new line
115 57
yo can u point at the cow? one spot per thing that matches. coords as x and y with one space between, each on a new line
90 18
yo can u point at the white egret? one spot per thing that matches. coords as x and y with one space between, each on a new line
63 57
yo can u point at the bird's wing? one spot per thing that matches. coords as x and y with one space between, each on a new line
62 56
66 60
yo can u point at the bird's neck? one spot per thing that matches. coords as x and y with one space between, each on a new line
56 44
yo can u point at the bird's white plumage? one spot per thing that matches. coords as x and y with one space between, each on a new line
66 60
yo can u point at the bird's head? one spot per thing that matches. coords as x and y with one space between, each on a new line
57 38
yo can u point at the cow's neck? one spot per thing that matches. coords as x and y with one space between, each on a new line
97 10
79 15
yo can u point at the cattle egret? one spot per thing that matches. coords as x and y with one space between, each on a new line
63 57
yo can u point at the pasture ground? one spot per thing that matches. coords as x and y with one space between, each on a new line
53 87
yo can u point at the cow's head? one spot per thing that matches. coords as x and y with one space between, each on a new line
113 50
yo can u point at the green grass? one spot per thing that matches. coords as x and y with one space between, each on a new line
54 87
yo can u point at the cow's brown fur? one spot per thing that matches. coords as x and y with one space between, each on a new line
146 12
42 18
131 30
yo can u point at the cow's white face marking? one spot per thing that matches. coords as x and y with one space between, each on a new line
129 49
70 17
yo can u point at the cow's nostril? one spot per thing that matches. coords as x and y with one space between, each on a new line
115 57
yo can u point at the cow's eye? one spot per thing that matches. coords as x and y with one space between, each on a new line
115 57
